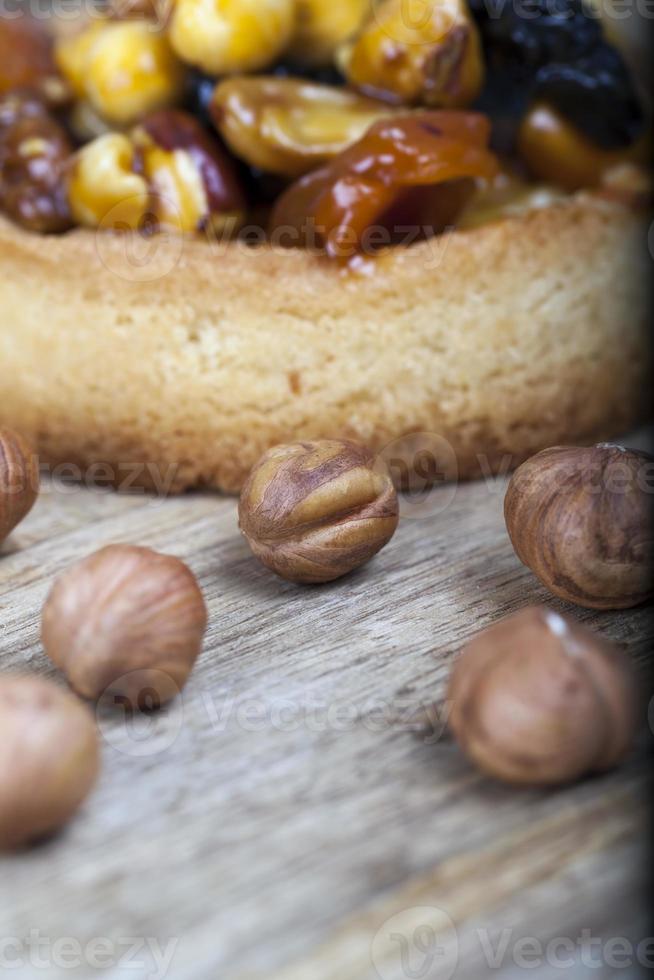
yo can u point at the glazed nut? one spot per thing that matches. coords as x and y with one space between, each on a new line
314 511
322 26
27 62
157 11
538 699
223 37
34 153
287 126
124 69
19 481
193 182
126 625
581 520
104 188
557 153
417 52
49 758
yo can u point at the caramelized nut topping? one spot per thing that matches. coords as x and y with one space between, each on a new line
231 36
417 52
124 69
27 62
556 152
194 182
34 153
321 27
288 126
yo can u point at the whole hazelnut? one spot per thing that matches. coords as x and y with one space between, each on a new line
538 699
19 481
581 520
314 511
125 623
49 758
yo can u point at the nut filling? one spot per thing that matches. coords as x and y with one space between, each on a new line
327 125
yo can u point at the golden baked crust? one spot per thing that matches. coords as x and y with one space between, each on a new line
502 340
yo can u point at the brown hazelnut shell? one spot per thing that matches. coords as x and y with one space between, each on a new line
126 623
19 481
538 699
314 511
49 758
580 519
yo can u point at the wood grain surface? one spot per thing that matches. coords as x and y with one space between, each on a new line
301 813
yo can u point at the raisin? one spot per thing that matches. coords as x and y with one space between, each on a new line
419 168
596 95
554 51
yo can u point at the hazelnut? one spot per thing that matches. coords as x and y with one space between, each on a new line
126 623
538 699
49 758
19 481
416 52
314 511
193 182
124 69
580 520
35 151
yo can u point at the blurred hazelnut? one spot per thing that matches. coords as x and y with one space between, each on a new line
123 69
314 511
538 699
49 758
34 153
194 183
26 59
416 52
321 27
580 519
19 481
104 186
231 36
126 623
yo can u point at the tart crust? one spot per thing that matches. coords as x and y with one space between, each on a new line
178 365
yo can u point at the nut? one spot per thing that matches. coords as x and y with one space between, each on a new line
167 173
321 27
34 153
538 699
19 481
153 10
27 62
555 152
417 52
126 623
288 126
580 519
194 183
104 188
226 36
49 758
314 511
124 69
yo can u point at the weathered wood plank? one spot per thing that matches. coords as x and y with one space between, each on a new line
289 804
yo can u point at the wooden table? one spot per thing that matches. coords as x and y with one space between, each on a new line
294 816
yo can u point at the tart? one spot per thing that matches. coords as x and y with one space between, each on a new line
149 340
